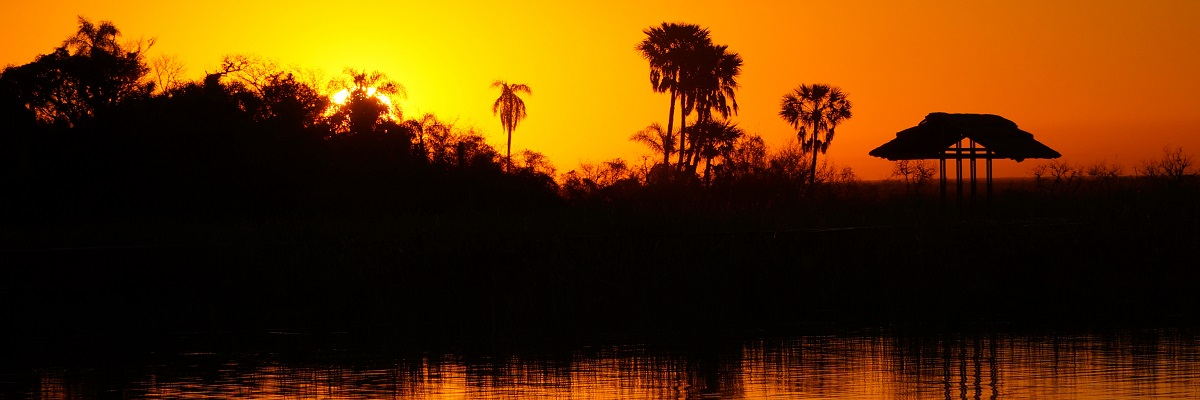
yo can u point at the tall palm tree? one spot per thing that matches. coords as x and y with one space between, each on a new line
709 84
511 109
657 140
814 110
669 48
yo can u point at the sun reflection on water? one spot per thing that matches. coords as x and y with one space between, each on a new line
993 366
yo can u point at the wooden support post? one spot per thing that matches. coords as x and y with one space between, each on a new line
989 178
958 172
942 170
973 174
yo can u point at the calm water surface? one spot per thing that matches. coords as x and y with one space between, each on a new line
1161 364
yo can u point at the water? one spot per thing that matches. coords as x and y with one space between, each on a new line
1162 364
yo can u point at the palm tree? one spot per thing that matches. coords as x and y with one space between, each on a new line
709 84
511 109
812 111
92 38
96 72
669 48
427 125
712 139
657 140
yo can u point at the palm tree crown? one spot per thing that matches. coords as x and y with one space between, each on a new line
511 110
711 82
668 48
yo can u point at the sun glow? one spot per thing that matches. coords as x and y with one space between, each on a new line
342 96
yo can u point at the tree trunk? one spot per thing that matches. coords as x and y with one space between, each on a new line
460 153
813 178
508 153
707 170
693 158
670 124
421 141
682 136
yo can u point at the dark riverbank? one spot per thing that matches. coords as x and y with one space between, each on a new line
595 270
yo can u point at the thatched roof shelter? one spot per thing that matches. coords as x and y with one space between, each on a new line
931 139
941 136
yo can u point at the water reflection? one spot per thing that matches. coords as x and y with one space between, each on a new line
1158 364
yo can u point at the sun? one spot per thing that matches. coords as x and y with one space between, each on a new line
342 96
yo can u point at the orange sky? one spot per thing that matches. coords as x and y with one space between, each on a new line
1114 80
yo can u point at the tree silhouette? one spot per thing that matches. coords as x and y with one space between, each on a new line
107 72
712 139
428 124
364 108
709 83
89 74
438 138
814 110
290 103
747 158
658 140
914 174
669 48
511 110
167 73
93 40
536 163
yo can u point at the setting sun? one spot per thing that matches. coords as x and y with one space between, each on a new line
342 96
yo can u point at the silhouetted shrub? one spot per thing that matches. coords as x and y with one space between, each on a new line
1057 176
1174 168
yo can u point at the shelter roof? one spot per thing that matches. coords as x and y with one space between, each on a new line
939 131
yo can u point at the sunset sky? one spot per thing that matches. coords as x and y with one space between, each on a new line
1111 80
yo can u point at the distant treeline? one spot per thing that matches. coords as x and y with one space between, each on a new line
92 130
95 129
